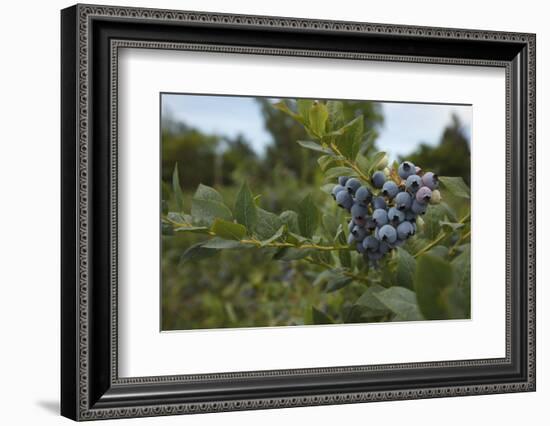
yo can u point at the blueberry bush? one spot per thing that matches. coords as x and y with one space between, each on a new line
389 242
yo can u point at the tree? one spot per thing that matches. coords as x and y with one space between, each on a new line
285 132
451 157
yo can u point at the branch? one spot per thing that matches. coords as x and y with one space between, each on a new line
352 165
440 238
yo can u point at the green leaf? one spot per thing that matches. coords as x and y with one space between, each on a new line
221 243
330 225
191 228
458 300
402 302
339 237
439 251
350 142
267 224
433 216
368 142
452 226
290 219
304 105
462 267
406 267
282 106
177 217
327 188
289 253
245 207
205 192
325 161
319 317
456 186
308 216
176 187
374 161
448 211
318 116
228 230
362 162
205 212
433 276
315 147
167 229
338 282
277 235
339 171
335 114
196 252
371 302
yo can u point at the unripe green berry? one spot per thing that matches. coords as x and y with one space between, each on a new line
436 197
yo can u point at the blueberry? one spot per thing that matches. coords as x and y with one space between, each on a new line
360 248
351 224
359 221
413 183
395 216
406 168
336 190
370 243
418 208
423 195
359 213
370 224
378 203
359 233
344 200
436 197
380 217
390 189
405 230
410 215
353 185
363 195
387 233
384 247
342 180
351 239
430 180
403 201
378 179
374 255
417 170
398 243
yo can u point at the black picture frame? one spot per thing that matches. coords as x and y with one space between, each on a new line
90 386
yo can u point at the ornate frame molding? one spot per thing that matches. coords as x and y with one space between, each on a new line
81 17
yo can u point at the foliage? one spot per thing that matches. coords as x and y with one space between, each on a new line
450 158
304 271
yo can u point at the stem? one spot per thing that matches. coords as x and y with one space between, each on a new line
453 248
440 238
353 166
258 243
186 225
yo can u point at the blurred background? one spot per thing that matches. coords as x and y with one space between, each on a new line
221 141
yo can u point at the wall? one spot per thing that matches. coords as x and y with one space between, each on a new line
29 176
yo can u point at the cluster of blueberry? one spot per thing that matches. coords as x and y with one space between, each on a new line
380 222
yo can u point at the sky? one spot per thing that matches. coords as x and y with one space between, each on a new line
405 124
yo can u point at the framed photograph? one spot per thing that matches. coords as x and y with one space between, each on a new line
263 212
